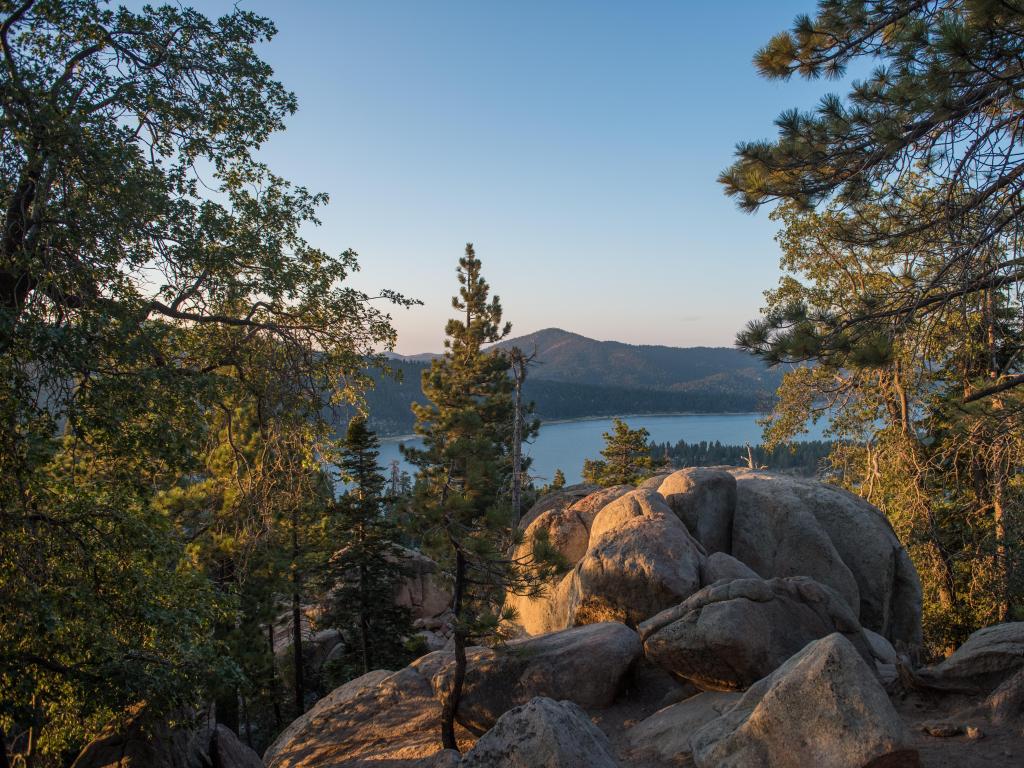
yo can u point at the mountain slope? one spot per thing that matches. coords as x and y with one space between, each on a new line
572 358
576 377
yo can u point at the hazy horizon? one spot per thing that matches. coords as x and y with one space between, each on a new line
576 146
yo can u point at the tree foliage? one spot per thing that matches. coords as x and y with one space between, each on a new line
151 271
367 567
926 148
626 457
462 495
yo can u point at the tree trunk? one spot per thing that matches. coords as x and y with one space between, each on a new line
4 762
274 689
450 703
300 693
364 629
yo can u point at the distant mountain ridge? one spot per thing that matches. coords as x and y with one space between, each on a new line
575 377
573 358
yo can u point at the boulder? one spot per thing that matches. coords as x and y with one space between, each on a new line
722 567
549 612
881 649
382 716
731 634
542 733
788 526
181 742
823 707
667 732
585 665
641 559
705 500
557 499
776 535
588 507
422 590
227 751
654 482
986 659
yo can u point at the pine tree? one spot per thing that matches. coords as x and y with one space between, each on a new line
462 498
364 573
626 455
558 481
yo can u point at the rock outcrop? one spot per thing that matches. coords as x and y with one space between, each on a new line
542 733
640 560
823 707
722 567
986 659
390 718
667 732
635 561
182 742
422 591
704 498
731 634
561 498
789 526
584 665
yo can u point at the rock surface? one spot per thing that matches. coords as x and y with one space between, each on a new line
584 665
139 740
561 498
823 707
667 732
422 590
386 718
731 634
641 559
720 566
775 534
542 733
787 526
705 500
986 659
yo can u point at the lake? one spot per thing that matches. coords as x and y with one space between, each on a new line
566 444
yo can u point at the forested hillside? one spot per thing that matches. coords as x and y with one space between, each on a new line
572 377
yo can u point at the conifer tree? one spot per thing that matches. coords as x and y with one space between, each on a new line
461 498
626 455
364 573
558 481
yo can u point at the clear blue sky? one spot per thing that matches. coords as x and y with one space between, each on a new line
575 143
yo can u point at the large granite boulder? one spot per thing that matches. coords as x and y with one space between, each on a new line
641 559
722 567
704 498
667 732
986 659
790 526
542 733
559 499
139 739
389 718
731 634
638 559
584 665
823 707
775 534
422 589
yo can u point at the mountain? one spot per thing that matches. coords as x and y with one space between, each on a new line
572 358
574 377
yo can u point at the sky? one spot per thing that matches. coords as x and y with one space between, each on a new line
576 144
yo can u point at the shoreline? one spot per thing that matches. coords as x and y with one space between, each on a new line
581 419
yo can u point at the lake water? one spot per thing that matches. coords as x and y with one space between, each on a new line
566 444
